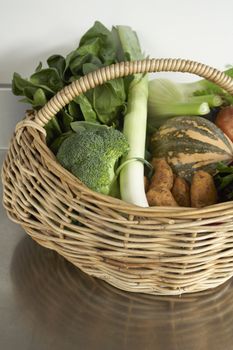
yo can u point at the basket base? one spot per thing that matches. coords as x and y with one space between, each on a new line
149 288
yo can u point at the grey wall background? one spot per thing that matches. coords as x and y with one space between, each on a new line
32 30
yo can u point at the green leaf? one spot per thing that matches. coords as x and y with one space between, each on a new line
19 84
108 100
89 67
126 36
39 98
86 107
55 145
29 93
226 180
53 130
91 46
77 62
48 77
64 120
119 89
57 62
107 51
39 67
74 110
80 126
223 168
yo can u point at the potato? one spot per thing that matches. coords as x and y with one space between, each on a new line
181 192
203 191
163 176
160 197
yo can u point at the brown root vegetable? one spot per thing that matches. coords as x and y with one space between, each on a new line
224 121
181 192
163 176
203 191
158 196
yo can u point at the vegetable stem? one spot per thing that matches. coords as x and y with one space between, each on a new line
183 108
132 175
212 100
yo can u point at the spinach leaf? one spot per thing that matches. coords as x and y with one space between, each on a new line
54 146
58 62
77 62
105 104
74 110
107 51
224 182
91 46
39 98
86 107
89 67
83 125
19 84
65 119
53 130
39 67
48 77
108 100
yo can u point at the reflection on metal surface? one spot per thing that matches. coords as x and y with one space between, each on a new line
91 314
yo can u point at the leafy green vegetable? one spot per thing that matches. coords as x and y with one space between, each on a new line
83 125
39 98
57 62
56 144
53 130
86 107
224 181
105 104
48 77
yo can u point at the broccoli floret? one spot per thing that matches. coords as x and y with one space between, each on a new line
92 156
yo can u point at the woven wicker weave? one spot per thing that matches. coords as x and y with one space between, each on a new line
156 250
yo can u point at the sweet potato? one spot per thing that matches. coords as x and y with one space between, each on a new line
163 176
203 191
160 197
181 192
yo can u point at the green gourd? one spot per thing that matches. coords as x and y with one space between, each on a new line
191 143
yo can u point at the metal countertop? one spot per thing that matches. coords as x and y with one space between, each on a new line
46 303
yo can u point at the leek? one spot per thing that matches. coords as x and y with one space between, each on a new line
135 124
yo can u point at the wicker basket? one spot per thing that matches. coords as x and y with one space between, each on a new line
156 250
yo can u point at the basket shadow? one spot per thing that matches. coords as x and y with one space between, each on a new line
94 315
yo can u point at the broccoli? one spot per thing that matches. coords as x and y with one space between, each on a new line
92 155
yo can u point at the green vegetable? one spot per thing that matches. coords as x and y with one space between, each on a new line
104 104
168 99
135 121
224 182
91 155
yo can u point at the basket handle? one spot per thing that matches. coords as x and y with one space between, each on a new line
102 75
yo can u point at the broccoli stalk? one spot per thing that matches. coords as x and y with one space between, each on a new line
92 155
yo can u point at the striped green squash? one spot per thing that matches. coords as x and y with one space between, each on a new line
190 144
